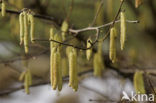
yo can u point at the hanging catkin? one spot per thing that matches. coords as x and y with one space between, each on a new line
112 48
3 8
64 29
55 71
52 51
31 20
59 71
98 63
73 78
122 30
25 32
26 83
89 51
21 23
29 77
139 82
138 3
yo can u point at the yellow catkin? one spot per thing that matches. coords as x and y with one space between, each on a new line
138 3
73 82
31 20
29 77
98 65
3 8
64 29
21 77
112 48
89 51
26 84
25 32
21 23
139 82
64 67
55 70
52 51
100 48
59 71
122 30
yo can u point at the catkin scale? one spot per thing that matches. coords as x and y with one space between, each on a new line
21 23
139 82
25 32
112 48
3 8
123 30
89 51
31 20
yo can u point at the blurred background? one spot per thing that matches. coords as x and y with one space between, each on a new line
139 52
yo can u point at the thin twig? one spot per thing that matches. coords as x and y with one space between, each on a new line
97 12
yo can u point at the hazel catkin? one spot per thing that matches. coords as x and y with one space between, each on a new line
25 32
73 78
112 48
89 51
139 82
3 8
122 30
31 20
21 24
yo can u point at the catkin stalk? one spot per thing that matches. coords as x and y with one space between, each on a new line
112 51
89 51
31 18
3 8
26 32
21 23
123 30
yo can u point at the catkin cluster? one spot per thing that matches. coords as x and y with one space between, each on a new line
122 29
25 19
27 77
55 61
64 29
3 8
73 76
89 51
112 45
98 61
138 80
